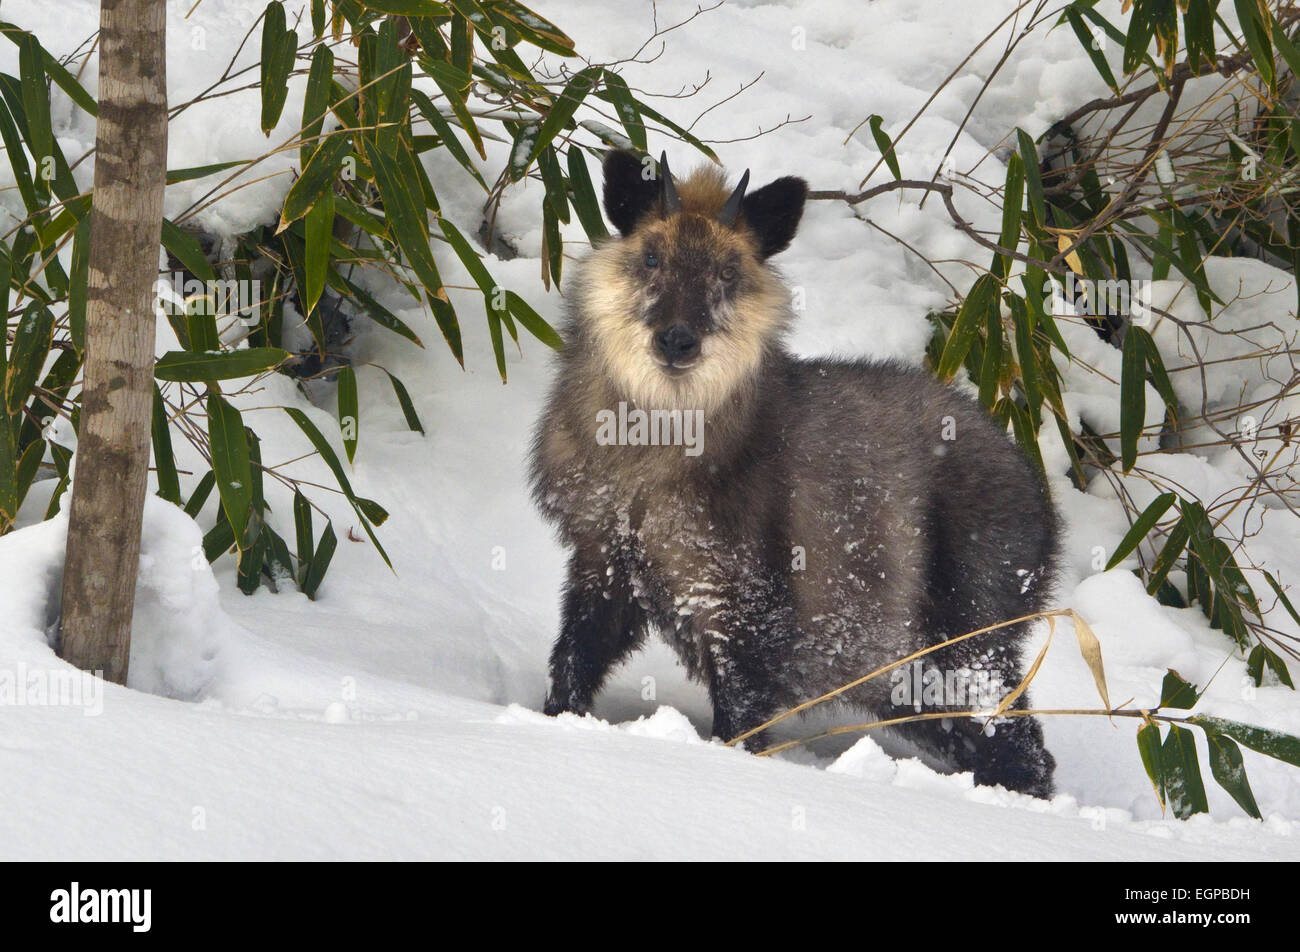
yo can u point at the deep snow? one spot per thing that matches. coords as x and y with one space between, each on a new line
395 717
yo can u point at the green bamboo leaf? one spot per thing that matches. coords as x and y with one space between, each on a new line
1156 365
441 126
33 338
468 257
583 196
1282 597
548 164
1033 177
626 107
169 485
36 98
1271 743
1176 692
219 540
200 171
1133 398
279 46
187 251
349 414
319 223
990 371
885 145
1173 548
8 469
1256 33
248 575
316 102
317 178
230 461
535 29
1184 788
408 8
1148 740
533 321
380 314
552 245
561 112
207 366
53 69
199 497
77 284
1013 195
1090 47
1141 28
1284 46
1264 657
408 408
685 135
982 298
332 461
303 532
1229 772
1141 526
320 561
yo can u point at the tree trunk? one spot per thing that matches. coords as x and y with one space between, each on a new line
112 461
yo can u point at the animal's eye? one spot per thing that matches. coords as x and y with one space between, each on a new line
651 260
727 274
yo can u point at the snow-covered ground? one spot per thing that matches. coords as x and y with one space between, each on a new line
396 716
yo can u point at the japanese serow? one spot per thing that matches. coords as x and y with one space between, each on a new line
787 525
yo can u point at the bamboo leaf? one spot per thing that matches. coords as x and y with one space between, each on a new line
1229 772
1090 648
1148 740
626 107
349 416
1271 743
1177 692
317 178
230 463
404 401
169 486
320 561
885 145
207 366
1184 788
332 461
982 298
279 45
1141 526
1133 398
319 223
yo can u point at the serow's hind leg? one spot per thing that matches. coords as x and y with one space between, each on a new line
1008 753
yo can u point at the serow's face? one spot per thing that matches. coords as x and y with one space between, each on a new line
691 274
684 305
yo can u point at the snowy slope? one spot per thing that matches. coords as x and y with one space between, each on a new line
395 716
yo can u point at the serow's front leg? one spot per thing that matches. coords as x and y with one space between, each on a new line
745 693
601 623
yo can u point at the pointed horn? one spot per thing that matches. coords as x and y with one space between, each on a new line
731 211
667 188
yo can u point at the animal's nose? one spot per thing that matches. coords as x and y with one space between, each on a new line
677 344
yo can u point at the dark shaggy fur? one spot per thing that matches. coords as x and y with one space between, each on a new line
841 514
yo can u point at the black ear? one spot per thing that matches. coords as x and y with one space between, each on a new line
629 194
773 212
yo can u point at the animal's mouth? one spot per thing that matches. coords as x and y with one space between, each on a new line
677 368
